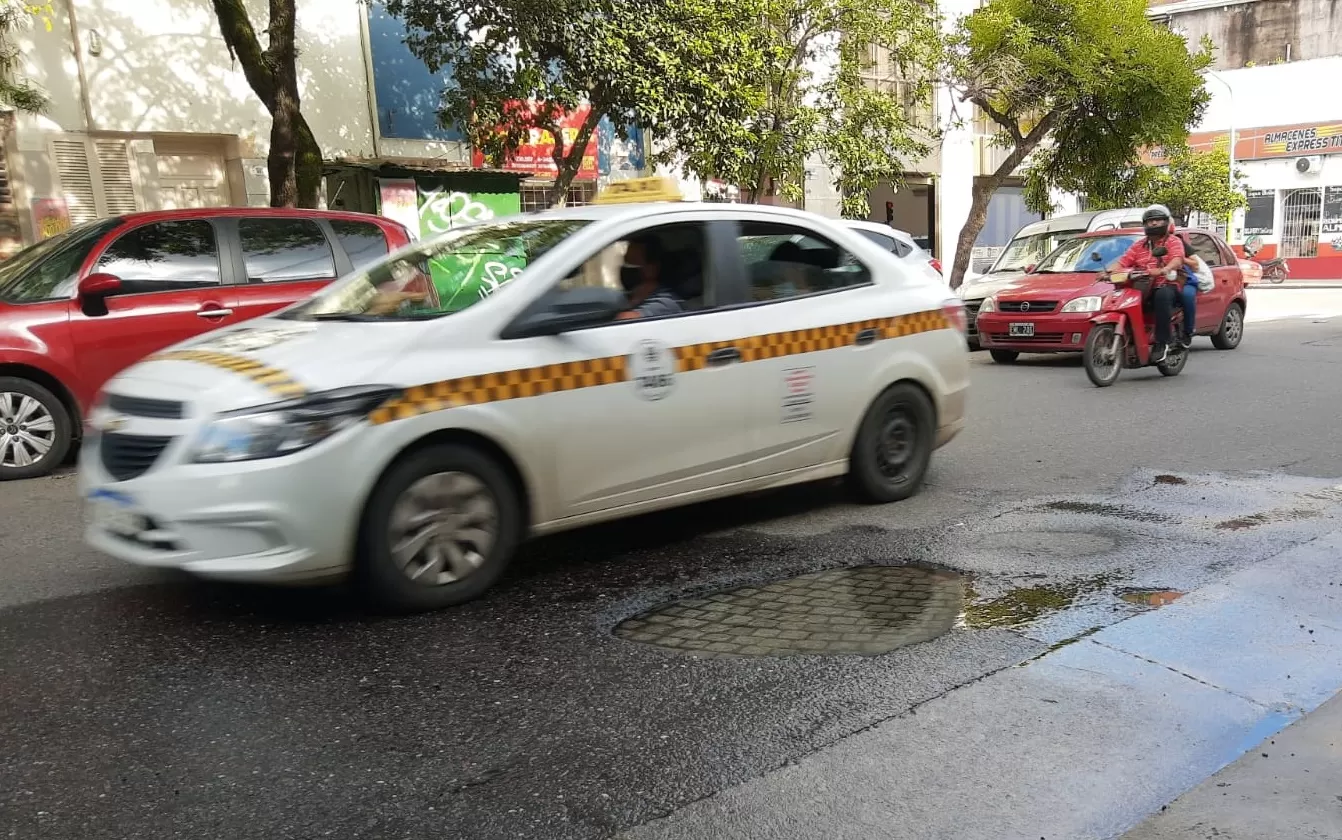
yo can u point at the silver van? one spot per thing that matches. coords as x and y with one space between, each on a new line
1030 245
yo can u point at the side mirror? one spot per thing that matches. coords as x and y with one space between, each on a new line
99 285
562 311
1029 269
1159 252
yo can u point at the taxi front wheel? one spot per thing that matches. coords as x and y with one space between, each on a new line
439 529
894 445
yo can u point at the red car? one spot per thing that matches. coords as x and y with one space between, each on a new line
78 308
1049 309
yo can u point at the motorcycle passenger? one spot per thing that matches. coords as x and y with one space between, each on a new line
1189 292
1159 228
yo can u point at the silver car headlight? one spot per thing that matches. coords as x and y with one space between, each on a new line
270 431
989 305
1090 303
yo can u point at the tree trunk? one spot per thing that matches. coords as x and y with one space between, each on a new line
295 161
569 162
983 191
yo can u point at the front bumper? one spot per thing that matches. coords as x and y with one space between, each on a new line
1054 332
291 519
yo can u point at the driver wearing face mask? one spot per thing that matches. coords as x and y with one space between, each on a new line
641 277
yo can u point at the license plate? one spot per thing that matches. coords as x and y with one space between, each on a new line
1020 329
115 513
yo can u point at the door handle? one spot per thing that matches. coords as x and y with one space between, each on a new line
724 356
214 313
865 337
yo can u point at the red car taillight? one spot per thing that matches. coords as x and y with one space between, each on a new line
936 264
954 311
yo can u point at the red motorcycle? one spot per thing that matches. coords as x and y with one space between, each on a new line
1124 316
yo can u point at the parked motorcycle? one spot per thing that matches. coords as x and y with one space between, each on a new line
1275 270
1123 331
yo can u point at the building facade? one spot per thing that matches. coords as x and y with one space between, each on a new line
1275 61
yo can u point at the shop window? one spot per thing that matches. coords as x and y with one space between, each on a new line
536 196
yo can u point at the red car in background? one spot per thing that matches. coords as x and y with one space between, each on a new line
80 307
1049 309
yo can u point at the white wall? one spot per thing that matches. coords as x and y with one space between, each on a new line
1279 94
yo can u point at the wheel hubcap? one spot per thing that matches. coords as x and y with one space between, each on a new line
27 430
897 443
1234 325
442 528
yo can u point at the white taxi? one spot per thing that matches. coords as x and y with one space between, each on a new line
415 421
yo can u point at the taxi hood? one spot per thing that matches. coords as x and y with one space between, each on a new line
268 360
1062 286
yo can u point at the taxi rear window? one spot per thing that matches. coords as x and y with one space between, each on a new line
441 276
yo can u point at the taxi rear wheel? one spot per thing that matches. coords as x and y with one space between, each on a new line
439 529
894 445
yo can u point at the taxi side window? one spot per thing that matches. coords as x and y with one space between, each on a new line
784 262
681 264
1204 247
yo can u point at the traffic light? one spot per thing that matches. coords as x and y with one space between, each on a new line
889 212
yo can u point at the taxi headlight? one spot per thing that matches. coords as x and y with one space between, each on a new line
1090 303
989 305
269 431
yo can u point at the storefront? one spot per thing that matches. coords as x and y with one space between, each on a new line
1293 178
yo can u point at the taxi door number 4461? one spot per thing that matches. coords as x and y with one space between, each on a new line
1021 329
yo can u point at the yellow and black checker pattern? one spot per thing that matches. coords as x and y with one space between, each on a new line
569 376
277 382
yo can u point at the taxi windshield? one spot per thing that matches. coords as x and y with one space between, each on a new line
1088 254
443 275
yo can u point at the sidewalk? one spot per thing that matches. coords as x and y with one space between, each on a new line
1290 786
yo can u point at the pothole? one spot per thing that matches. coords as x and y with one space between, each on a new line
1170 479
861 610
1151 597
1270 517
1050 544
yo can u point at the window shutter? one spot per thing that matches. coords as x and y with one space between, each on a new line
118 186
76 181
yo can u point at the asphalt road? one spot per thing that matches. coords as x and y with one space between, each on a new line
133 705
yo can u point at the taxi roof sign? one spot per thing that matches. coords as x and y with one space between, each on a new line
638 190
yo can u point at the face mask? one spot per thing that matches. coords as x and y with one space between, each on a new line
631 277
1157 231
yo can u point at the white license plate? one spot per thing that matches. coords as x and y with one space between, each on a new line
1020 329
115 514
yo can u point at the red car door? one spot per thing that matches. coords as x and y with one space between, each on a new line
282 260
172 289
1212 305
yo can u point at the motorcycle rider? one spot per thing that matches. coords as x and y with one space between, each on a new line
1159 229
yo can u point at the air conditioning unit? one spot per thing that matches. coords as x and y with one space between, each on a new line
1311 165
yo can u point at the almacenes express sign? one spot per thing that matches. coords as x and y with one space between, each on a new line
1303 140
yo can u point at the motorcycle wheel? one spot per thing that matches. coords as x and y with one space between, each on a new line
1277 275
1174 362
1103 364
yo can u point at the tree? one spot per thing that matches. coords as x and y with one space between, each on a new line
16 93
1095 78
820 94
520 66
295 160
1191 182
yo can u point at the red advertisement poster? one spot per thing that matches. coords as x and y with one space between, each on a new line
535 156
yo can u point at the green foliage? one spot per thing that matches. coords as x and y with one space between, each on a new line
661 64
16 93
1096 76
863 131
1192 181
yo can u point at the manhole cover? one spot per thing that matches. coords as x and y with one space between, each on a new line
863 610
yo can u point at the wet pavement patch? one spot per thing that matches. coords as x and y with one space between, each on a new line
1131 514
1151 597
860 610
1062 544
1024 605
1170 479
1271 517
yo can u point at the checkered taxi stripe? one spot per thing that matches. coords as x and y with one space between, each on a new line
569 376
277 382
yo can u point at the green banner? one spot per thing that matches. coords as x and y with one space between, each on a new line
463 279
